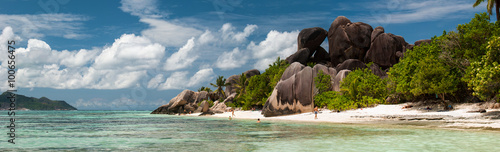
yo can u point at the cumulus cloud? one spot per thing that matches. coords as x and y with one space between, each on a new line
130 52
177 80
276 44
231 60
229 34
182 58
38 26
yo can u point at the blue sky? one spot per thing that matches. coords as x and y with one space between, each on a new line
137 55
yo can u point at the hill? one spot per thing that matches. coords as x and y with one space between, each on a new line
32 103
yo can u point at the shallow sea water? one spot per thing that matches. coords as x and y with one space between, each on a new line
141 131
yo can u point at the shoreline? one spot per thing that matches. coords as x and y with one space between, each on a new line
459 118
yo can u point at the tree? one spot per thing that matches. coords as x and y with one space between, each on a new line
219 84
241 85
489 6
203 88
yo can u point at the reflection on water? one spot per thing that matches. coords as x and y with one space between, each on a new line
140 131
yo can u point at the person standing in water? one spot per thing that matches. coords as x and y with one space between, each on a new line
258 120
315 112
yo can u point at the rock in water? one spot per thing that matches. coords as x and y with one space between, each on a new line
187 100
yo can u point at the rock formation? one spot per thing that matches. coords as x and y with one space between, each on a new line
340 76
234 79
309 41
184 102
294 92
348 40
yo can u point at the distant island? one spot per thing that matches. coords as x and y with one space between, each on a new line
32 103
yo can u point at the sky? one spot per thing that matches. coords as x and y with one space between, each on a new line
139 54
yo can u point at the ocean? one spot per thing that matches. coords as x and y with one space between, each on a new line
141 131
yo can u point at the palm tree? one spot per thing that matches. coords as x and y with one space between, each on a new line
489 7
241 85
219 83
203 88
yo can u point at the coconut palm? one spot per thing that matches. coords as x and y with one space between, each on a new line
203 88
241 85
219 84
489 6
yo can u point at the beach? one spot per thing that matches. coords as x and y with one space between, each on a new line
463 116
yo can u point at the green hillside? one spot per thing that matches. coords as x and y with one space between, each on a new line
32 103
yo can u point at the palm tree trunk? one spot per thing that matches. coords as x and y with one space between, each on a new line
497 2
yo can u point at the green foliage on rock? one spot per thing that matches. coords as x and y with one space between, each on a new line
361 88
323 82
260 87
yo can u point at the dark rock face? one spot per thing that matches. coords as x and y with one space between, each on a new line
187 100
340 76
301 56
377 71
383 51
311 38
351 64
234 79
293 93
213 96
348 40
376 32
321 56
420 42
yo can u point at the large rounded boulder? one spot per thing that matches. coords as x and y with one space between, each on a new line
348 40
311 38
293 93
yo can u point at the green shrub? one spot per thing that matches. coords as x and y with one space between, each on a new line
484 76
363 82
322 82
260 87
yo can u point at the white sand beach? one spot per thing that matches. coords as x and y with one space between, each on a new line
460 117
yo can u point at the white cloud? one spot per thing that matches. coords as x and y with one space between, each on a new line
412 11
182 58
130 52
228 33
168 33
142 8
37 26
155 82
178 80
276 44
231 60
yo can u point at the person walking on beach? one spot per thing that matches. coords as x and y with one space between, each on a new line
315 112
232 112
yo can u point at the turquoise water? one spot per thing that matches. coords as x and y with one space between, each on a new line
140 131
